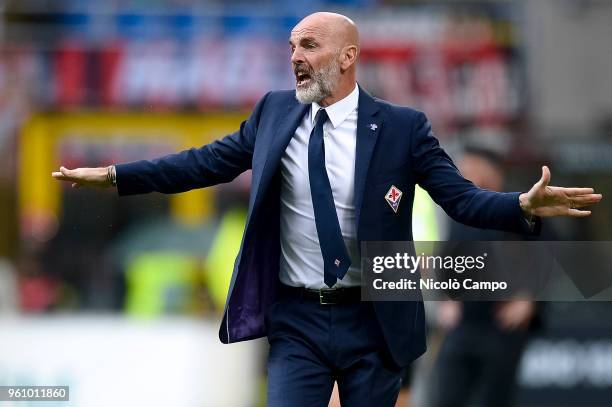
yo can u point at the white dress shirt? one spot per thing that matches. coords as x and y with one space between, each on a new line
301 262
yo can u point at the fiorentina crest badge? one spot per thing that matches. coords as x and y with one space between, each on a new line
393 197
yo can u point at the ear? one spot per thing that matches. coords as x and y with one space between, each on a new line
348 57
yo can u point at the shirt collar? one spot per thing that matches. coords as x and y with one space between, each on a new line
339 111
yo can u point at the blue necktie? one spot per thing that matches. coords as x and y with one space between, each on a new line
336 260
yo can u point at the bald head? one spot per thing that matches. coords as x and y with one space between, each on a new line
325 48
340 29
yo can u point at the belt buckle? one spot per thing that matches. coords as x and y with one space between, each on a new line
324 300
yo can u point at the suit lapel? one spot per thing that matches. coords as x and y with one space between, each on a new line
286 126
368 128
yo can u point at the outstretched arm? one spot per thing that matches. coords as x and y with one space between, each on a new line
478 207
218 162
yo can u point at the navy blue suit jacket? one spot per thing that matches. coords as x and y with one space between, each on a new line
400 150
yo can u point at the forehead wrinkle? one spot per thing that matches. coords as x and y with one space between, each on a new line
316 33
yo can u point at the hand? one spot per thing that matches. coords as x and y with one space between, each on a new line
95 177
515 314
544 200
449 314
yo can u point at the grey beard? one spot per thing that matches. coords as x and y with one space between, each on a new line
322 84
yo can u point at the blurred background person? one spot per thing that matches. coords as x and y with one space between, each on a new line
481 351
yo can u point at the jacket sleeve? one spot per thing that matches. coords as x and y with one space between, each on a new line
460 198
218 162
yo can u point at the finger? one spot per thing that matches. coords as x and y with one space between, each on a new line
586 199
545 176
577 191
576 213
65 174
61 177
65 171
76 185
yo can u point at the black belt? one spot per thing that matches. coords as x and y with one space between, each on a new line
325 296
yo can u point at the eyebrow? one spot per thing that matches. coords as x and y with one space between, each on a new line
304 39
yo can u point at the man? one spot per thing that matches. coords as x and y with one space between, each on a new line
320 187
481 351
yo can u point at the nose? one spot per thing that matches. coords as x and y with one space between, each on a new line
297 57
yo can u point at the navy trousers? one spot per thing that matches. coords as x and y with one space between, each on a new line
313 345
478 365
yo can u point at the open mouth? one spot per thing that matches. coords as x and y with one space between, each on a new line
302 78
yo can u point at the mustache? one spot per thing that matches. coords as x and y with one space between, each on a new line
302 69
